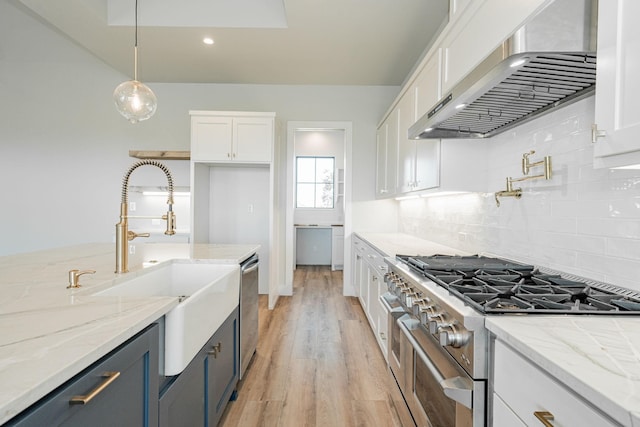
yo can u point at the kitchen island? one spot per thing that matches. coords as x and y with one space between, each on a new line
49 333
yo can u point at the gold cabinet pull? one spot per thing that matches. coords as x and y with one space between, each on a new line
544 417
109 377
215 350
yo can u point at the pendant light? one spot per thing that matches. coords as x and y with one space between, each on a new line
133 99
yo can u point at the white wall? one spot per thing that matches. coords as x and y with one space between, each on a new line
584 221
64 148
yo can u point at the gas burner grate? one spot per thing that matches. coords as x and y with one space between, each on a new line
494 285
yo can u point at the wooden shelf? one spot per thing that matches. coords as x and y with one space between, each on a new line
160 155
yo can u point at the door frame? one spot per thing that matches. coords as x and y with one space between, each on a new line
292 127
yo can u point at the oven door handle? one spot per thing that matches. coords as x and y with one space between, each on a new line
459 389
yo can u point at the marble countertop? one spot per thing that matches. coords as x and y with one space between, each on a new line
49 333
597 357
392 244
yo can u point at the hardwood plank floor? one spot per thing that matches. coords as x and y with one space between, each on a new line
317 363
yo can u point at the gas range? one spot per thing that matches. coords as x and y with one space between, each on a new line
499 286
450 296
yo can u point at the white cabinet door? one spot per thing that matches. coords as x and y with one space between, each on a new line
418 160
337 248
480 29
211 138
503 416
225 138
406 147
527 390
381 160
252 139
427 173
392 153
428 88
618 86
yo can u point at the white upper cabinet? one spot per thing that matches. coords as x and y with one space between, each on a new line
428 88
418 160
406 147
223 137
387 156
479 29
617 115
381 156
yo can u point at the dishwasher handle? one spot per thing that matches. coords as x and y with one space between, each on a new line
250 264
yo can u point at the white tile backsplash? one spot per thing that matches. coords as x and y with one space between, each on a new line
583 221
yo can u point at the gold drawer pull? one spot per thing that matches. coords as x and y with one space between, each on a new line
109 377
215 350
544 417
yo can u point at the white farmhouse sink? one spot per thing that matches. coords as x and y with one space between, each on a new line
207 294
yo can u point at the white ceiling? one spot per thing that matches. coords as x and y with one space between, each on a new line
336 42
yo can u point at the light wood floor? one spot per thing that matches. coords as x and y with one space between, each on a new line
317 363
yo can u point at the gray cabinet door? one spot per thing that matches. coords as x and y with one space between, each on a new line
199 394
222 368
182 403
130 397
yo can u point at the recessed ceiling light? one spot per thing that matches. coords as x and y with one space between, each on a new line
207 40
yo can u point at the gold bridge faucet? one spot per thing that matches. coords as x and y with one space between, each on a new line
123 234
526 167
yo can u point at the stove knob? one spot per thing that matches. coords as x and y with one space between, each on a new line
454 336
427 312
436 323
420 304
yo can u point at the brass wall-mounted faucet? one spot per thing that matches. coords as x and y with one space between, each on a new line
526 167
123 234
509 192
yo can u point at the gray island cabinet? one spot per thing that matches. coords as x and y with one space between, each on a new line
200 393
120 389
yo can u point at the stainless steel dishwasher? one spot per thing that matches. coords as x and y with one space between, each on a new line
248 311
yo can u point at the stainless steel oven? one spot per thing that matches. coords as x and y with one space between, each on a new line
438 391
435 353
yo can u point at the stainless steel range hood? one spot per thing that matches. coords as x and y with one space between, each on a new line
549 62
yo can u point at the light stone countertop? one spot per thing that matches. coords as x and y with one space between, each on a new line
596 357
49 333
392 244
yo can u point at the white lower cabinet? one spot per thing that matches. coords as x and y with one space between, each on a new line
523 394
369 271
503 415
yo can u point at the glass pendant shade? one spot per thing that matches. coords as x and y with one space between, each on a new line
135 101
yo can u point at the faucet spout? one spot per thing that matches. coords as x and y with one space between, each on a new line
509 192
123 235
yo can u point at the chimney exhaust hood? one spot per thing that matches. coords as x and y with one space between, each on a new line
547 63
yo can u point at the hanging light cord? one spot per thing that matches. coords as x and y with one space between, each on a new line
135 45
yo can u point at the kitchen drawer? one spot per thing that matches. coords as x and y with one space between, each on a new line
371 256
121 389
503 415
526 389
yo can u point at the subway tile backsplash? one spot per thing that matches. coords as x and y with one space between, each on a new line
583 221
